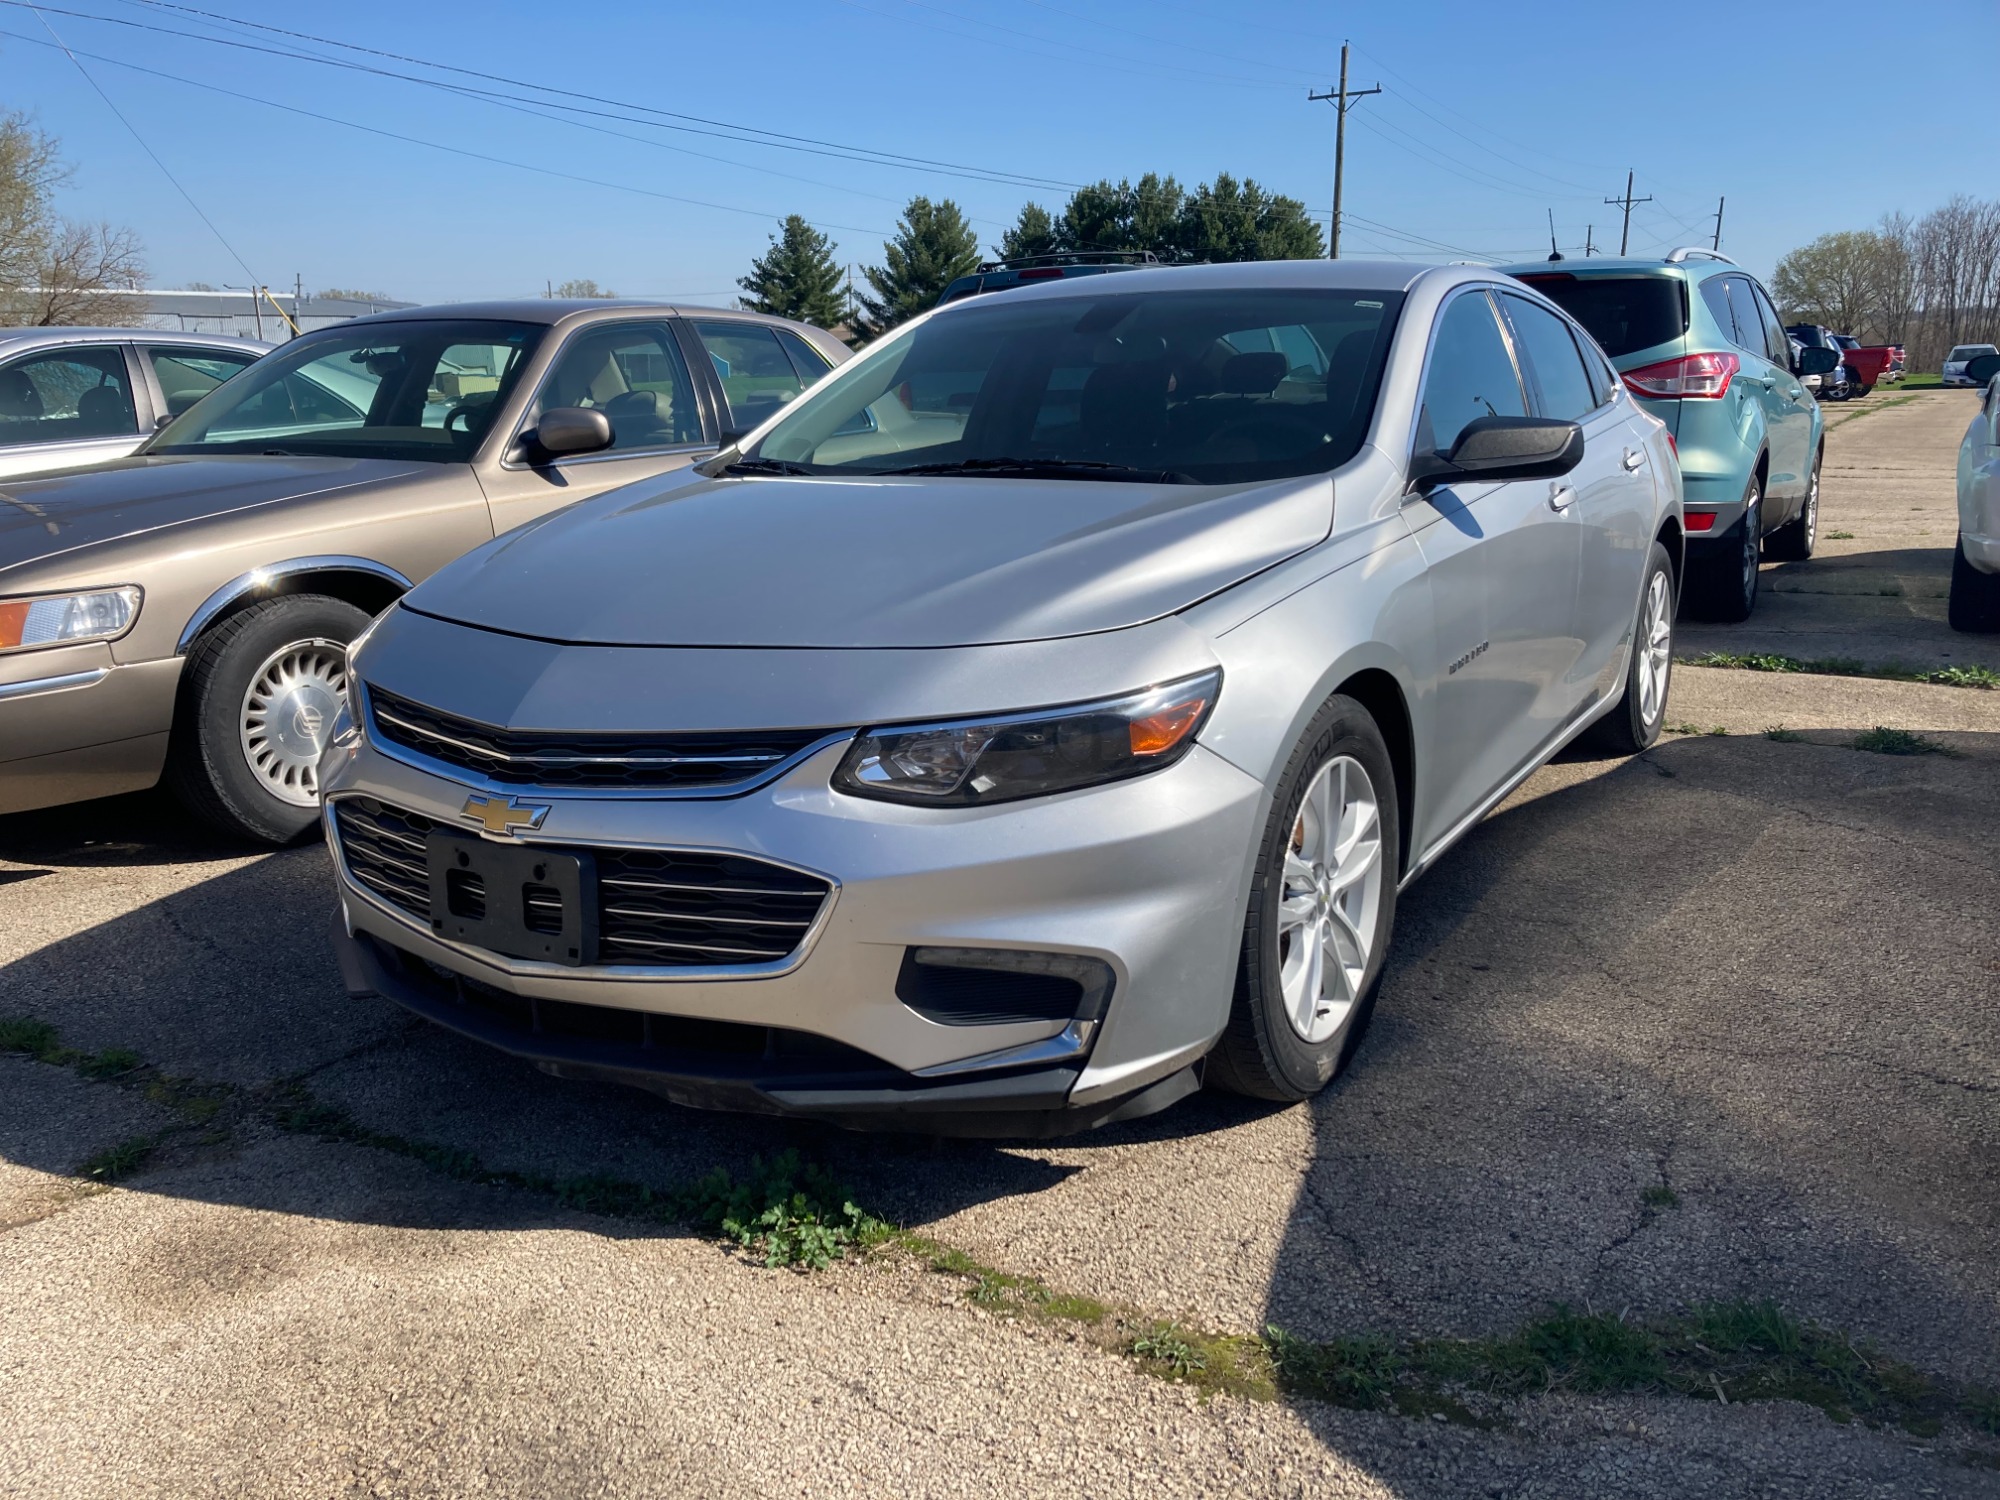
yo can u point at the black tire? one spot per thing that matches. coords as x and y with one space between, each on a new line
1975 596
1864 390
208 764
1261 1053
1723 586
1634 721
1794 541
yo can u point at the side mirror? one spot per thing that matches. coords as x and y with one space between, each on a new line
1818 361
572 429
1983 369
1499 448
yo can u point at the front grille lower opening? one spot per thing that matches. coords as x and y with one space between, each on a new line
999 987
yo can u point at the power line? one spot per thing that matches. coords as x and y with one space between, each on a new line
745 134
221 238
622 187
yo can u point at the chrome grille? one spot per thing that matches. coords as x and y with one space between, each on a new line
654 907
718 761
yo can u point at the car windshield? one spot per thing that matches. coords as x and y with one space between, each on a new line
425 389
1623 313
1198 386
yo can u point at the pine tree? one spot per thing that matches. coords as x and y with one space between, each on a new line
1232 221
933 246
1033 234
797 277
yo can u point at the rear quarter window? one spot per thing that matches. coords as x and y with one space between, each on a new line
1623 313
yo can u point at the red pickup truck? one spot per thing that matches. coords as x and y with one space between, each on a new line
1871 365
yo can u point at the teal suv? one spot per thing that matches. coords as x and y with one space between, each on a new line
1699 343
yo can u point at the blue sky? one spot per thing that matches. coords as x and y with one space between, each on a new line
1492 116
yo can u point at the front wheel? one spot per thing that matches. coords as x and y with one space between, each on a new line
1322 904
258 700
1634 722
1975 596
1794 541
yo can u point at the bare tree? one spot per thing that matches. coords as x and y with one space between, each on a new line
584 287
54 270
81 264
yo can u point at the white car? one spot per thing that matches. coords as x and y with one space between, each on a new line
1955 372
1975 567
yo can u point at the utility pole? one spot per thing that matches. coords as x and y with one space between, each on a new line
298 296
1626 202
257 309
1717 245
1343 100
1589 233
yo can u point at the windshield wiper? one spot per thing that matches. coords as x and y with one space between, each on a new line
766 466
1049 468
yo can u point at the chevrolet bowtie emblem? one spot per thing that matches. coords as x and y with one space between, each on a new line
504 814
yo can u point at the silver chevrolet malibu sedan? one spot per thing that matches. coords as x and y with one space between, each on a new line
1034 721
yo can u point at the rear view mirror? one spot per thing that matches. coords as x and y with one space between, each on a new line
1818 361
572 429
1982 369
1497 448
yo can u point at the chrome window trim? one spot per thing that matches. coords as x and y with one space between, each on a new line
67 682
257 578
461 775
526 968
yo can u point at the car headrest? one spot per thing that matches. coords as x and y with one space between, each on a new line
102 408
1252 374
18 396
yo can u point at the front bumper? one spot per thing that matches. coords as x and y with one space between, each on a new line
1145 876
74 724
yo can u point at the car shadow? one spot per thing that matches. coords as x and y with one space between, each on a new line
1714 1021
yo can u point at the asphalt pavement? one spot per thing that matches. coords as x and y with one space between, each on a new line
1715 1022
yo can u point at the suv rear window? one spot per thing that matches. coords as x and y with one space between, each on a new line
1623 313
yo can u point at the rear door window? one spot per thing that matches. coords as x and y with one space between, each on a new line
756 376
1471 374
1749 322
187 374
1715 293
1567 391
1623 313
66 395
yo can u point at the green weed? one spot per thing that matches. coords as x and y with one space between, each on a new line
112 1062
116 1163
37 1039
1840 536
1660 1196
1165 1345
793 1213
1882 741
1974 676
1783 735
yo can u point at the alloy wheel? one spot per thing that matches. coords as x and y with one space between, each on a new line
288 713
1809 521
1752 541
1332 882
1656 649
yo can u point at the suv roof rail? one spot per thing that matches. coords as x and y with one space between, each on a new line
1072 258
1686 252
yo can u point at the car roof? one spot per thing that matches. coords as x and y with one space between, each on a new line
66 335
552 310
1339 275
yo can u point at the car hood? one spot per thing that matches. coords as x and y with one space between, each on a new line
873 563
52 514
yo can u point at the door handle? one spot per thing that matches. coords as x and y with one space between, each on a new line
1633 458
1560 496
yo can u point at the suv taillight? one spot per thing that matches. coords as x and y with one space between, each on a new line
1700 375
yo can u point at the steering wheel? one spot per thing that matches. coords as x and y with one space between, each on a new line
464 409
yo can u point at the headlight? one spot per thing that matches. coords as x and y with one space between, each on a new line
976 761
64 619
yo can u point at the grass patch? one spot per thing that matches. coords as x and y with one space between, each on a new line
1881 741
116 1163
1659 1195
1840 536
1783 735
1847 666
36 1039
112 1062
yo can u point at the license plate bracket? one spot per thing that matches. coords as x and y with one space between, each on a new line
513 899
